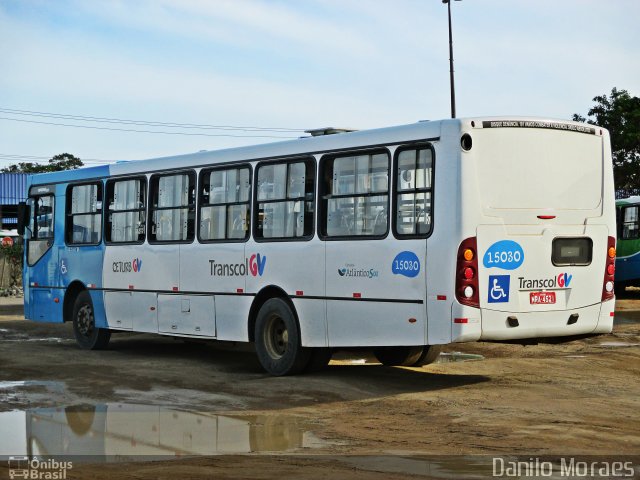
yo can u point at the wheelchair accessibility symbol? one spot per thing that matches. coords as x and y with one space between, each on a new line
499 288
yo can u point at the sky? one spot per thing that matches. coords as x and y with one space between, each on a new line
278 67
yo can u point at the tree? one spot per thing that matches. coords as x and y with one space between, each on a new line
63 161
620 114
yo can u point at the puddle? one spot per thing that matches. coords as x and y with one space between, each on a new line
617 344
447 357
126 432
623 317
51 385
450 357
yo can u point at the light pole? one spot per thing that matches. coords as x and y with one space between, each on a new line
453 88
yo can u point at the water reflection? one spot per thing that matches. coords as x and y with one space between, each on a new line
114 432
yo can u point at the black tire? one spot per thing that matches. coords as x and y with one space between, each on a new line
398 356
319 360
278 339
88 336
430 354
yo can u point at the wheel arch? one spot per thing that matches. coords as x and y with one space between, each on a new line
268 292
73 290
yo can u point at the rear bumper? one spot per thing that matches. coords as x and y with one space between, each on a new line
496 326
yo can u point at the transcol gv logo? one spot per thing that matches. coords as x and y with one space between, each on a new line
562 280
254 265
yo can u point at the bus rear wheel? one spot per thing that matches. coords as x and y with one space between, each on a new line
404 356
88 336
278 343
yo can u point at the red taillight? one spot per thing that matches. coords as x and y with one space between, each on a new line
467 290
609 270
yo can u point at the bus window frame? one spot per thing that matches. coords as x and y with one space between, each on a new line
307 160
323 195
200 204
150 209
33 231
68 214
396 192
110 182
623 212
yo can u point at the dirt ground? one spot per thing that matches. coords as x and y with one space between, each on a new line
356 419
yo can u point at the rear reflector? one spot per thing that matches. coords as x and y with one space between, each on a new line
546 217
357 295
467 287
460 320
609 271
441 297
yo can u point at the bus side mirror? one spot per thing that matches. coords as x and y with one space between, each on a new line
24 212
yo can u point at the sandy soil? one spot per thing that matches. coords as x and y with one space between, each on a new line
370 421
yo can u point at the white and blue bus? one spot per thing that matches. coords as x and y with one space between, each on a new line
399 239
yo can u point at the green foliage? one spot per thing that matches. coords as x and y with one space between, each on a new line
14 254
63 161
620 114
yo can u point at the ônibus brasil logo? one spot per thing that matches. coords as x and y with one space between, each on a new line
254 265
134 265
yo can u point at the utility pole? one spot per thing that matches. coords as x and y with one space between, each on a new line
453 88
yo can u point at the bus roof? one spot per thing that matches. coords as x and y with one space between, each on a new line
423 130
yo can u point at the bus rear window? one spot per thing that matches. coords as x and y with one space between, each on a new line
538 169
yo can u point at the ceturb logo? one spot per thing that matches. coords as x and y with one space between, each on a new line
563 280
134 265
254 265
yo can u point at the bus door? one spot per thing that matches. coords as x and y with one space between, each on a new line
42 259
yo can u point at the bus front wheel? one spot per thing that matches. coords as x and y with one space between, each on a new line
88 336
277 336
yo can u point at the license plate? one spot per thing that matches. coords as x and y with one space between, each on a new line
542 298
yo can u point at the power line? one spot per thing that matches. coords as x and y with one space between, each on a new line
7 157
84 118
145 131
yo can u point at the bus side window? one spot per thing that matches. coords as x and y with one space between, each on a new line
356 195
285 200
224 204
172 207
413 202
84 214
630 225
126 211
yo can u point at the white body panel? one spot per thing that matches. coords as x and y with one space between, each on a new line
345 292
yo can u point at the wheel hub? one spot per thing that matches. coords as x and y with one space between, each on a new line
85 321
